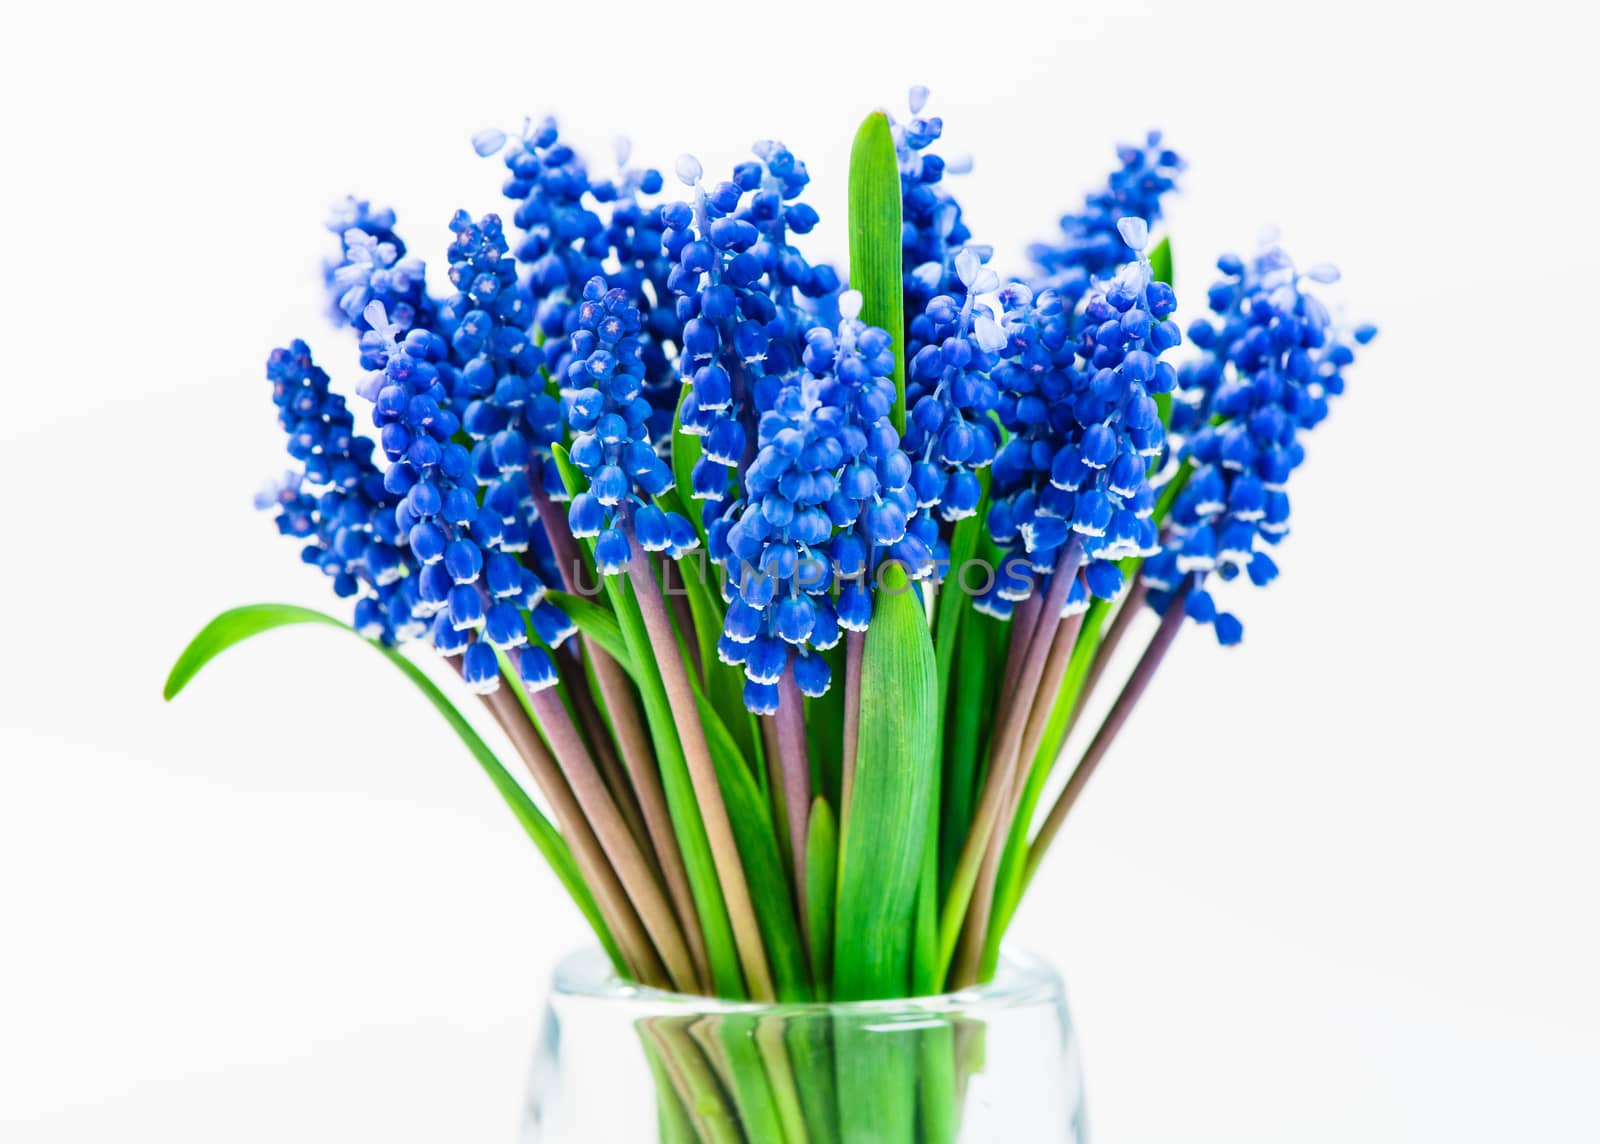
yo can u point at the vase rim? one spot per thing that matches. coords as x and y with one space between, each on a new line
1021 979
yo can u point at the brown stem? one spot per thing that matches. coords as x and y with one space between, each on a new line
703 776
1143 672
587 853
796 768
1128 611
627 723
625 853
595 733
638 755
975 933
678 600
1006 750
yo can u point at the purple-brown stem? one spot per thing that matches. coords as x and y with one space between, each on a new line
1003 757
595 733
795 763
1128 611
626 855
703 777
638 755
611 899
1036 706
1127 699
678 599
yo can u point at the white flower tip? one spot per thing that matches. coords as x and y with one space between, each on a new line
850 304
989 334
488 141
377 317
622 148
929 274
688 170
1324 272
919 99
967 265
959 165
1134 231
986 282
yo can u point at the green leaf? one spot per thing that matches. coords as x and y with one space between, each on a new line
822 871
232 627
885 825
1161 261
240 624
875 236
954 600
597 623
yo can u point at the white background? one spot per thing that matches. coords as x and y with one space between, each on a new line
1335 885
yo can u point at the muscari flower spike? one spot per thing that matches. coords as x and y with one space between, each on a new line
1089 245
949 392
576 228
336 500
608 414
826 500
1076 394
471 590
374 266
932 230
739 285
1270 362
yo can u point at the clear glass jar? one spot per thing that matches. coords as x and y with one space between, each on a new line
617 1063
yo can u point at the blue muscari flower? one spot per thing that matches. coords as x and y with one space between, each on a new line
470 588
497 376
577 228
949 432
374 267
745 296
1076 394
1269 364
609 415
336 501
932 230
1089 246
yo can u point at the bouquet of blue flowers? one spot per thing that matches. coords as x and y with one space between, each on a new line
788 585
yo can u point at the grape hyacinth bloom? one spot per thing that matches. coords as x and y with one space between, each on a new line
1071 483
470 588
374 267
608 415
336 501
736 277
1089 245
949 433
932 230
1270 363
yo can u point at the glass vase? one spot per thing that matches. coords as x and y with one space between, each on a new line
615 1062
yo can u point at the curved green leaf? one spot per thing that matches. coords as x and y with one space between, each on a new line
239 624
